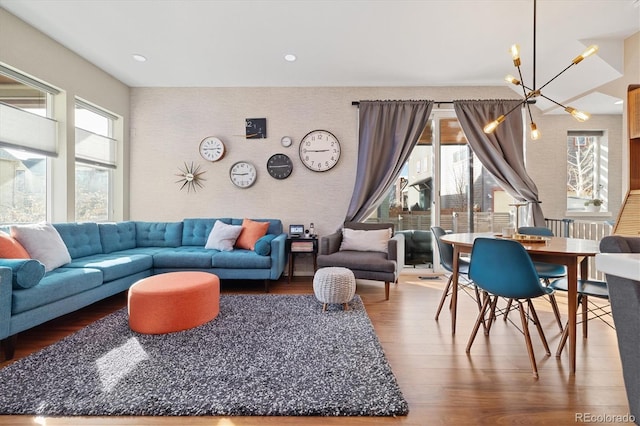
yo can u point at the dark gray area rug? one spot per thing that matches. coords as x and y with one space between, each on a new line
273 355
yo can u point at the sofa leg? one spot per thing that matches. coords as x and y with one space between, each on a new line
386 290
9 347
266 286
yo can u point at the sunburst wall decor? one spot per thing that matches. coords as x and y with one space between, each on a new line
190 177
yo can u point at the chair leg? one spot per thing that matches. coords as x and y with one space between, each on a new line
386 290
556 311
486 301
534 314
563 340
527 338
445 292
492 316
507 309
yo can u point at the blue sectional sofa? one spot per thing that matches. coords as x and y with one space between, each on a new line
107 258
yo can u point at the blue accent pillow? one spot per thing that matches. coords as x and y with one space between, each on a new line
26 272
263 245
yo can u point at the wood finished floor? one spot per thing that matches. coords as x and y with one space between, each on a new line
443 385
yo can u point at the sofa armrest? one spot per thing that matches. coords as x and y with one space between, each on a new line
330 243
6 294
278 258
395 250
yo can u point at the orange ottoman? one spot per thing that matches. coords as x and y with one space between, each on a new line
173 301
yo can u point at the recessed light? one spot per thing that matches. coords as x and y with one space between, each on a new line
290 57
139 58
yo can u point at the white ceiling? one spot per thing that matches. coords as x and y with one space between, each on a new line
236 43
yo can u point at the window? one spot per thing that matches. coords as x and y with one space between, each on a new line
95 161
27 138
587 156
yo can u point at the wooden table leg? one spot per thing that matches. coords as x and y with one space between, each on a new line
454 288
572 296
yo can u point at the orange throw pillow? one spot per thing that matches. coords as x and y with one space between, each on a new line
252 231
10 248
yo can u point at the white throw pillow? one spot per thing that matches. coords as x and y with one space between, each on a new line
365 240
223 237
43 242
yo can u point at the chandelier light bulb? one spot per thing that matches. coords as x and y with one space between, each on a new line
489 128
515 54
581 116
511 79
535 133
590 51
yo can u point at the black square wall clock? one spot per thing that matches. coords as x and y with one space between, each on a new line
256 128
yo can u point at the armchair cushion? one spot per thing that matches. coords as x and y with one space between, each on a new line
365 240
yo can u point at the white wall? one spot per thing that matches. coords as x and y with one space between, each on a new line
29 51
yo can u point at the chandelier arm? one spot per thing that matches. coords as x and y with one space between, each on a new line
524 88
549 99
515 107
529 111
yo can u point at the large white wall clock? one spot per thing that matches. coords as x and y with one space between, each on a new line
319 150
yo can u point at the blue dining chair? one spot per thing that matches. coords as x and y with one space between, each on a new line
587 289
546 271
446 261
503 268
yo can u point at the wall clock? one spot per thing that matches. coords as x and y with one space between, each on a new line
212 148
319 150
286 141
256 128
243 174
190 177
280 166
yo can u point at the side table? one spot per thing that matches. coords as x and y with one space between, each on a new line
301 245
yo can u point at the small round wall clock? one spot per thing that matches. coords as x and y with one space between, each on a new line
279 166
212 148
319 150
243 174
286 141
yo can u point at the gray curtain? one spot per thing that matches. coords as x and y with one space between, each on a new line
502 152
388 132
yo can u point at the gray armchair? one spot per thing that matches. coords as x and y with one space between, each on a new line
624 295
366 265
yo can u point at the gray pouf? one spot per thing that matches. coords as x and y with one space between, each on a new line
334 285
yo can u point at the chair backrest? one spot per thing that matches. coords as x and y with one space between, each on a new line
504 268
368 226
445 250
535 230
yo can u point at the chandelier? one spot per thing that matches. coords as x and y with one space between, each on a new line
530 93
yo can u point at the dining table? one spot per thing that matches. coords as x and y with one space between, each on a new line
574 253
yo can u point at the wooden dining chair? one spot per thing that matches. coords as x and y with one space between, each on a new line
503 268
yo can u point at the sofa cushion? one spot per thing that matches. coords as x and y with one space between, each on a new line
252 231
114 265
196 231
26 272
43 242
158 234
240 259
184 257
223 236
275 225
365 240
56 285
81 239
263 245
10 248
117 236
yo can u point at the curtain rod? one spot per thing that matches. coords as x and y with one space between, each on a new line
529 101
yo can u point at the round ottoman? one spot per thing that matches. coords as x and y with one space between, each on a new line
173 301
334 285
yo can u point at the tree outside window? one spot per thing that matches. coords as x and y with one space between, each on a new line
586 170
